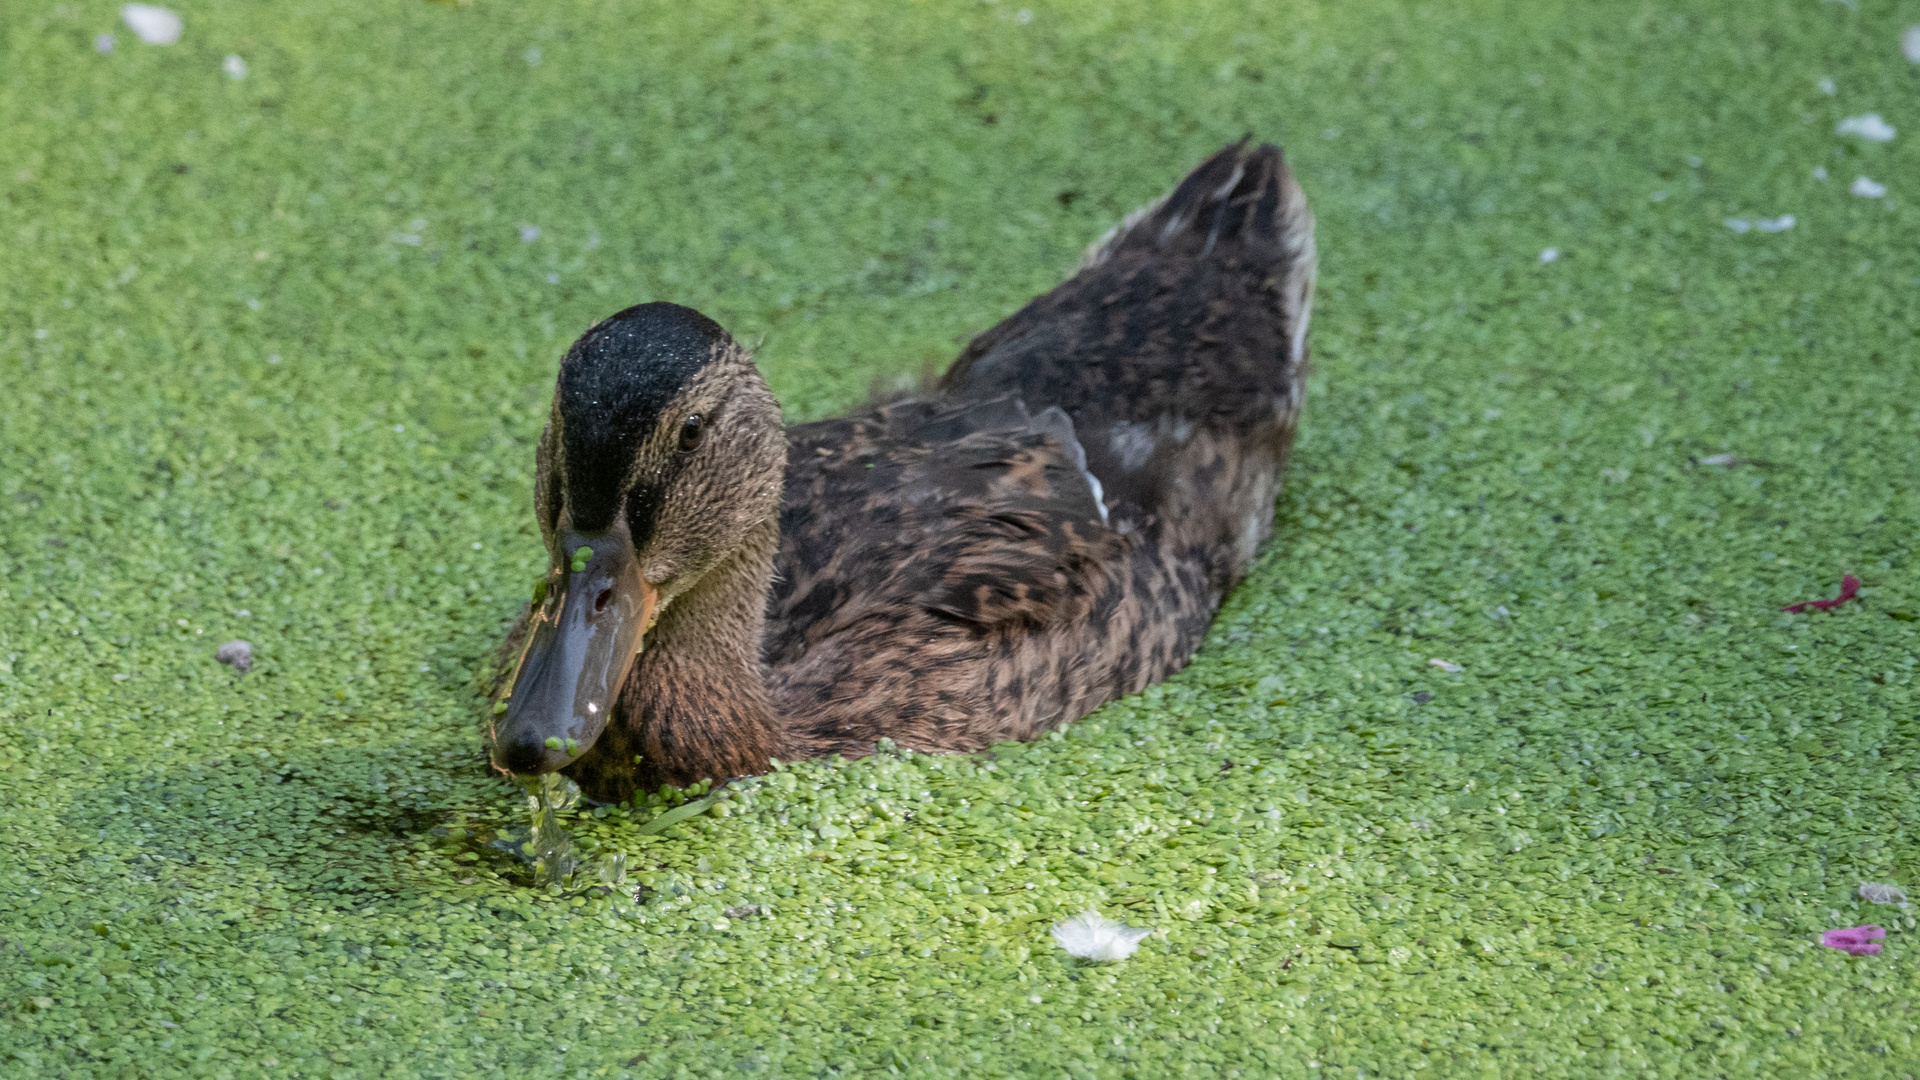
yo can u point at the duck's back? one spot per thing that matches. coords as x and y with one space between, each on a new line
1058 527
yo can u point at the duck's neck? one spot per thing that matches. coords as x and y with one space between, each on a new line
695 706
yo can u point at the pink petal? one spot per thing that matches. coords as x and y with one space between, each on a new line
1849 588
1855 940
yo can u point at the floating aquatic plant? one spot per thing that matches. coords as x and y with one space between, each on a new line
549 847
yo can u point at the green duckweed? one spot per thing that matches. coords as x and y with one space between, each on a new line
277 347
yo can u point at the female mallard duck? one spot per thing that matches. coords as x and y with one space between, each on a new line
1052 530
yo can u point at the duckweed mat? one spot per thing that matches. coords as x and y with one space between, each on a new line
1505 761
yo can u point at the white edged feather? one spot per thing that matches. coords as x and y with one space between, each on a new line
1092 936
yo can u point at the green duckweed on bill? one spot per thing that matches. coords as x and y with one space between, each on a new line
1505 760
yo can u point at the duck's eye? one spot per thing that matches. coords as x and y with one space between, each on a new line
692 430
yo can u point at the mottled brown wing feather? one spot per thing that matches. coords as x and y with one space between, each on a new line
909 506
947 576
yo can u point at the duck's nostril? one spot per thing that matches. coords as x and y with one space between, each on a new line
600 602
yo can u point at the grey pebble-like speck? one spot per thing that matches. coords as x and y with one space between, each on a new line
238 654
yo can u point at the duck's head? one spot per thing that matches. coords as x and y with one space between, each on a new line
664 452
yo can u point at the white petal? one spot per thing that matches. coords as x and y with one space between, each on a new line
153 25
1827 87
235 67
1738 225
1092 936
1779 224
1873 892
1445 665
1868 126
529 233
103 44
1547 255
1910 43
1867 189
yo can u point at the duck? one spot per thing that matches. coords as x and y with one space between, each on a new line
1046 527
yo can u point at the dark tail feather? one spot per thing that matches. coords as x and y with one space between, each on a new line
1240 200
1236 227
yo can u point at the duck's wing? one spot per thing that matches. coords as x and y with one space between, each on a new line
982 515
1189 319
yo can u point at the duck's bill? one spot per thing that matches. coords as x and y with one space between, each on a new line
580 648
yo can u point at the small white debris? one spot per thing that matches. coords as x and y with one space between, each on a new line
1867 189
553 279
1446 666
235 67
529 233
103 44
1910 44
1867 126
1723 460
273 358
1778 224
412 239
1548 255
236 654
1874 892
1092 936
1694 160
1659 196
1826 86
533 56
153 25
1819 172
